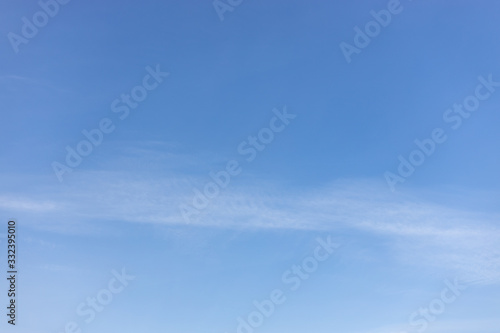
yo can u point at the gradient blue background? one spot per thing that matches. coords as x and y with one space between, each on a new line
323 175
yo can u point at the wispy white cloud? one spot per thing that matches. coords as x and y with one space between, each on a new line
26 204
420 231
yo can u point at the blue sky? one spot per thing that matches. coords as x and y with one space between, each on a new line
322 175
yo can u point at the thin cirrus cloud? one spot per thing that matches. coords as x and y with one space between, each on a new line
462 241
22 204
